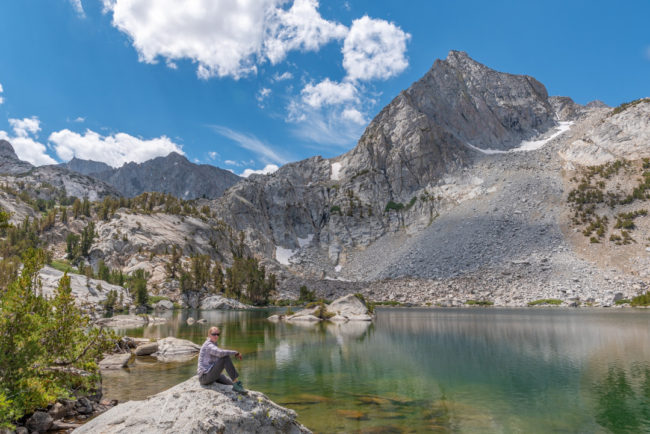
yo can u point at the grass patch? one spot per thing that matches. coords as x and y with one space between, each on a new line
153 299
64 266
641 300
545 301
623 301
396 206
388 303
479 303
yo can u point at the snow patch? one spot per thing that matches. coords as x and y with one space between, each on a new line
283 255
338 268
526 145
302 242
536 144
336 171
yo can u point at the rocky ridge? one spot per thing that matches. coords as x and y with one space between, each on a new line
172 174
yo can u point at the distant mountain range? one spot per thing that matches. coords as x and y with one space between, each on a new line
172 174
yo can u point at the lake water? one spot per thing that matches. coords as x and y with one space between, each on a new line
431 370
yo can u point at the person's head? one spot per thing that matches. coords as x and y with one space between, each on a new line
213 334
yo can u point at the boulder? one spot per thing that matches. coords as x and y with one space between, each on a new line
58 411
125 321
350 308
40 421
146 349
163 305
219 302
173 349
115 361
191 408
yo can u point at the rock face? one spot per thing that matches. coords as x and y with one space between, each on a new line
191 408
174 349
219 302
85 167
87 292
313 213
115 361
49 182
172 174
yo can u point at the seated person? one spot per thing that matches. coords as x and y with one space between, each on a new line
213 360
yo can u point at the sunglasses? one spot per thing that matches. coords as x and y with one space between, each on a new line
214 334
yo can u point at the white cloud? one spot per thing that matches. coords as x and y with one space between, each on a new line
213 155
225 38
78 7
114 150
24 143
354 115
25 127
231 163
262 95
374 49
328 92
79 119
1 98
284 76
269 168
251 143
299 28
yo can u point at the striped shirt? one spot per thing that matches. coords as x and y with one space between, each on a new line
209 354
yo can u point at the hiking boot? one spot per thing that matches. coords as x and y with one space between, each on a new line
237 387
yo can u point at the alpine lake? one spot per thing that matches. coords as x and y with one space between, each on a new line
412 370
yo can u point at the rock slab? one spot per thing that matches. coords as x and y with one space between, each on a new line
191 408
173 349
219 302
115 361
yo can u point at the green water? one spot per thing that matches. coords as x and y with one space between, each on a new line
431 370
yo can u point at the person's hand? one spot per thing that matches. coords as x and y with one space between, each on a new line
238 355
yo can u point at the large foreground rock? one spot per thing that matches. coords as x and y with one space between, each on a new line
219 302
175 350
191 408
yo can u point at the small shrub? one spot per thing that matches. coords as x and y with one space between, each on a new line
479 303
550 301
623 301
396 206
641 300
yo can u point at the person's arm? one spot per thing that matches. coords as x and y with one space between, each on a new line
218 352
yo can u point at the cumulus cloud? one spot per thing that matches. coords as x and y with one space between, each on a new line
248 141
299 28
213 155
374 49
78 7
26 127
328 92
269 168
354 115
225 38
24 141
329 125
114 150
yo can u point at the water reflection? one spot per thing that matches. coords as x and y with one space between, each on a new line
415 370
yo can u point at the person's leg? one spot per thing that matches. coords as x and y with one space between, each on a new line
214 373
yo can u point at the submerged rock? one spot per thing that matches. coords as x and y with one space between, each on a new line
115 361
129 321
191 408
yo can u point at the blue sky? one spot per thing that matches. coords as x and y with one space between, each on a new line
250 84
